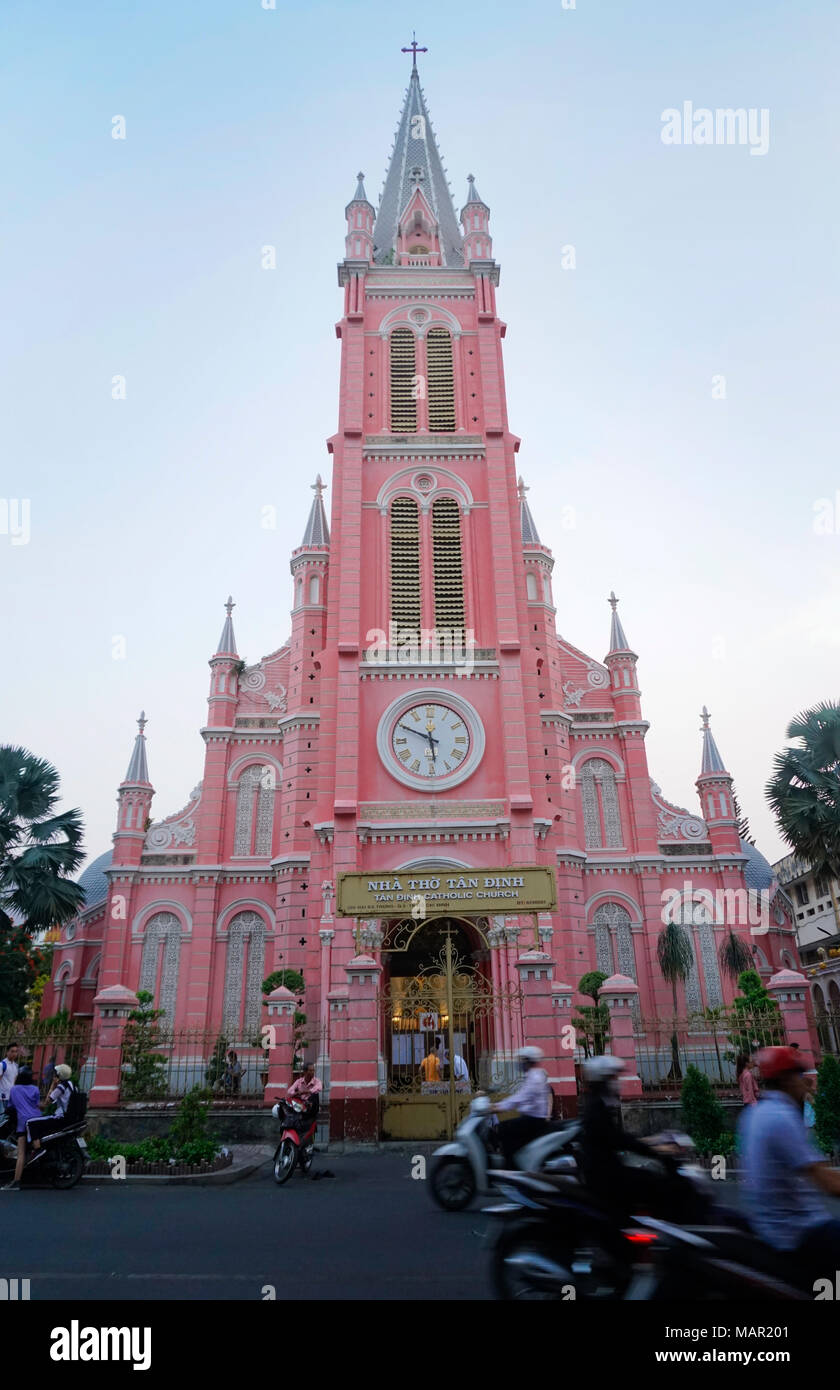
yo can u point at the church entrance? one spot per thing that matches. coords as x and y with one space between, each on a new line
448 1024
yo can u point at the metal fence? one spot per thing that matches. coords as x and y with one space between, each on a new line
72 1043
711 1042
828 1029
163 1064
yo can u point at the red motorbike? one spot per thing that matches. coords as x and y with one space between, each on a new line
297 1141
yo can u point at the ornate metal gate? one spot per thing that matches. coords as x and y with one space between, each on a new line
447 1032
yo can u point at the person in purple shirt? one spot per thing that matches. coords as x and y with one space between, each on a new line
25 1099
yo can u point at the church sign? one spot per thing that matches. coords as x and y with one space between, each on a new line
434 894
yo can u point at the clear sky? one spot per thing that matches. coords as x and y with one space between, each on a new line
245 127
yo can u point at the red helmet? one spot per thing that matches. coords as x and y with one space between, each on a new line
776 1061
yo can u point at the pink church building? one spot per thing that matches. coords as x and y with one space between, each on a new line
424 724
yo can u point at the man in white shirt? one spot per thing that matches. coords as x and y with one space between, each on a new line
531 1098
8 1072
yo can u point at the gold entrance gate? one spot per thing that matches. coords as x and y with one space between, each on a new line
447 1030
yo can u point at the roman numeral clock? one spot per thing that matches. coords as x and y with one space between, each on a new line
430 740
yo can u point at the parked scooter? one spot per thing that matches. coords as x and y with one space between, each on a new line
60 1160
464 1166
297 1141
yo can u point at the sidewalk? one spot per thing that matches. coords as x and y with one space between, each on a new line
247 1158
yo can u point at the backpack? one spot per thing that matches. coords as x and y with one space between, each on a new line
76 1106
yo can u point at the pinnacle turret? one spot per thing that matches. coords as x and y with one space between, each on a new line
527 523
227 641
317 531
712 761
138 768
618 637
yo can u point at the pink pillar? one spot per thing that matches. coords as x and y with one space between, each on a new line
281 1043
564 1080
789 988
111 1009
326 935
618 993
354 1070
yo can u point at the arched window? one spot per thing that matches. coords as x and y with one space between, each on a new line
448 565
614 944
531 585
315 589
601 819
244 972
160 961
62 982
254 826
403 371
441 384
695 918
405 565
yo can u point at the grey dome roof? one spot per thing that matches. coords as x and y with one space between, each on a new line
93 880
758 873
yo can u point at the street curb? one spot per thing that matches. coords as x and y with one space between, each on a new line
220 1179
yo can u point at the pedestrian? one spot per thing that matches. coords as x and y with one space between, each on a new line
59 1098
9 1069
430 1065
47 1076
25 1101
809 1113
747 1083
233 1074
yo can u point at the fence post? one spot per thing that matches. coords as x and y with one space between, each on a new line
789 988
354 1070
111 1008
618 993
566 1083
280 1031
542 1021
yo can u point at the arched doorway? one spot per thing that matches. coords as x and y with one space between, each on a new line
445 1024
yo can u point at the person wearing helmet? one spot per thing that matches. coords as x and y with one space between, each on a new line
59 1098
532 1099
782 1174
603 1138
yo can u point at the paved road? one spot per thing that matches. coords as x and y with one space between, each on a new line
371 1232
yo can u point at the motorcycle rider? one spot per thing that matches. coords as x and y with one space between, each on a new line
306 1090
532 1098
782 1173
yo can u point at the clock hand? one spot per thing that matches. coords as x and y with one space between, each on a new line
409 730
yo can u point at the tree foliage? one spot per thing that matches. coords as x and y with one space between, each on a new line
827 1105
21 965
144 1069
39 847
702 1113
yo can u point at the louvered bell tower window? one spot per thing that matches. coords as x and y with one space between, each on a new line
403 402
448 565
441 391
405 565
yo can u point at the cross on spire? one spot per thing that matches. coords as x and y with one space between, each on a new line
142 721
613 600
705 716
414 48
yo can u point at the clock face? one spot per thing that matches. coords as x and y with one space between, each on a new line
431 740
428 740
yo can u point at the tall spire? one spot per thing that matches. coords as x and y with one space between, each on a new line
712 761
138 768
360 196
227 641
473 196
618 637
416 162
317 531
529 529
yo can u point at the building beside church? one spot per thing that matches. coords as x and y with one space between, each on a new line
425 745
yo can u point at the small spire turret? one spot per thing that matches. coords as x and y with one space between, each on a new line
227 641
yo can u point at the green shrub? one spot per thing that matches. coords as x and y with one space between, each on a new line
291 979
702 1113
187 1141
827 1105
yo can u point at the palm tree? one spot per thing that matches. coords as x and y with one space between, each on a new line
734 955
676 957
38 848
804 792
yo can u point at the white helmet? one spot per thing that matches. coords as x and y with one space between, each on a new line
531 1054
598 1069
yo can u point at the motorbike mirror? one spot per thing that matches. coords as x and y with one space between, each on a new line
480 1105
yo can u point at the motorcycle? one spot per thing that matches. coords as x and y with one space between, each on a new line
559 1242
60 1160
466 1164
297 1141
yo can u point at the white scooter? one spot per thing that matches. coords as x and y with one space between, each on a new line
464 1166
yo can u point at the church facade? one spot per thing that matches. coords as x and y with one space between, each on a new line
425 735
